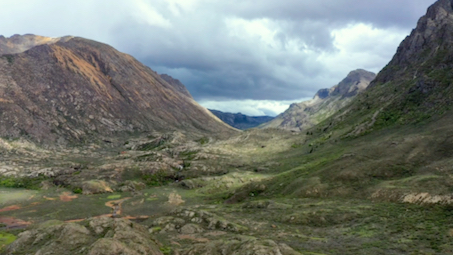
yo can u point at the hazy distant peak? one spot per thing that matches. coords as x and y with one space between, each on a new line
20 43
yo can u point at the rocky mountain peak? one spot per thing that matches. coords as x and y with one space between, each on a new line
20 43
355 82
433 32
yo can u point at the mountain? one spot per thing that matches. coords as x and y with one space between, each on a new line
326 102
241 121
72 89
415 86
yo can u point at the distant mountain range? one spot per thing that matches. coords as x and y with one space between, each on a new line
241 121
324 104
70 89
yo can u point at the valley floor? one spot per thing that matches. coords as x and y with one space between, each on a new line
260 192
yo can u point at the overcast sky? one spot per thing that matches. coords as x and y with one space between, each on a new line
249 56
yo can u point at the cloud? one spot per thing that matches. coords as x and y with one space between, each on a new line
238 50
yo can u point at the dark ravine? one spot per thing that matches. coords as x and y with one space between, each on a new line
241 121
75 89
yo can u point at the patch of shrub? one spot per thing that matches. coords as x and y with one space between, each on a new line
21 182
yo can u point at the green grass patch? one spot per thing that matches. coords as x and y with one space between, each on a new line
114 197
6 239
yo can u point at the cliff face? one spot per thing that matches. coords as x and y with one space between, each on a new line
76 89
325 103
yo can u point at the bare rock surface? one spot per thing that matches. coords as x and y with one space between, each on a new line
101 236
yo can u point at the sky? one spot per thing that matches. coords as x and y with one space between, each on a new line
250 56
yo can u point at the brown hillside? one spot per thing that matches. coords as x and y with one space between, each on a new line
79 89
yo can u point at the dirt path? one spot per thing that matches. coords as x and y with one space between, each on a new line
116 206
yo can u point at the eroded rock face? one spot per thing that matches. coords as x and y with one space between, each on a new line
101 236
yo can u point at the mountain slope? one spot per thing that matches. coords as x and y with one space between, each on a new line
326 102
241 121
78 89
415 86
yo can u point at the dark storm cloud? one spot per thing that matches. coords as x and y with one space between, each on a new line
221 65
383 13
238 49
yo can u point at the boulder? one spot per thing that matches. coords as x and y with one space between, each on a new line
95 187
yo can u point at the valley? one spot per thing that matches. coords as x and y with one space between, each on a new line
263 190
102 155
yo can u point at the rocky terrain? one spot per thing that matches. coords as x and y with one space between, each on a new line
72 90
326 102
376 177
241 121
